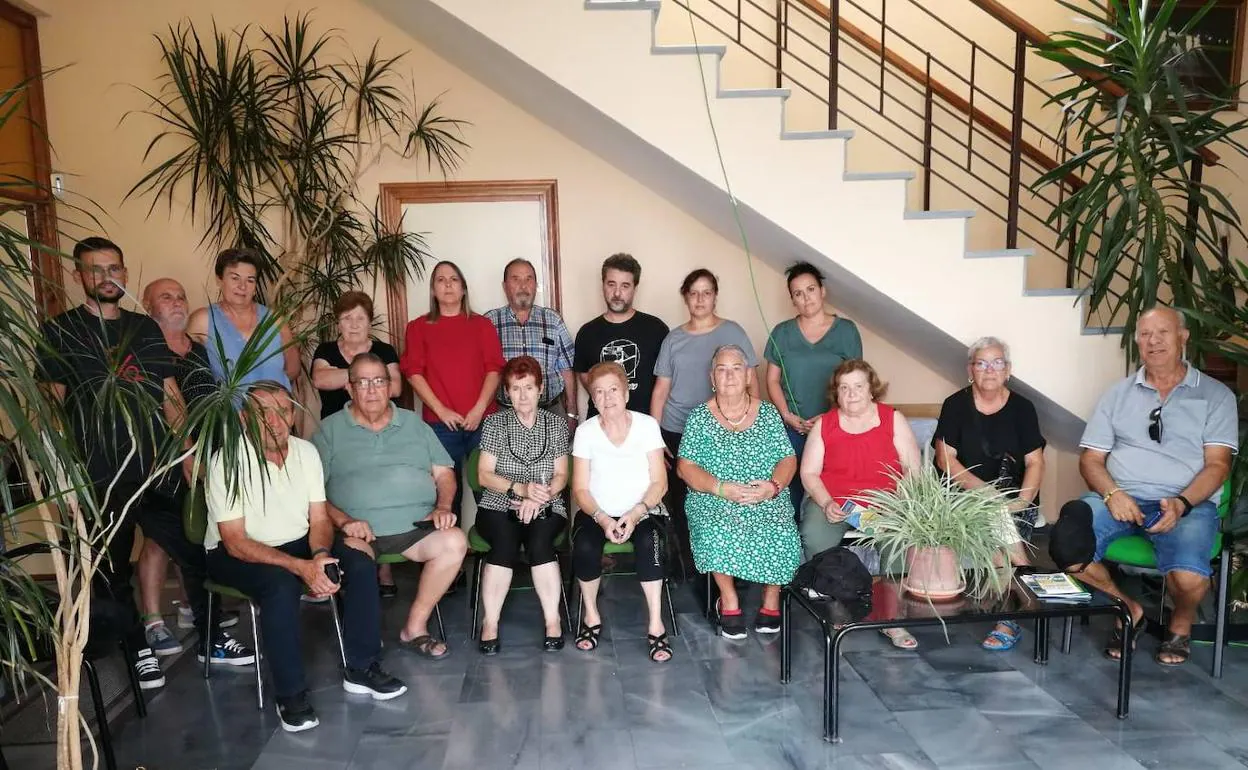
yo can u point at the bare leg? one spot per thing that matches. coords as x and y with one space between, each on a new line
771 597
441 553
1097 576
546 582
728 599
385 576
589 600
153 569
495 581
653 590
1187 590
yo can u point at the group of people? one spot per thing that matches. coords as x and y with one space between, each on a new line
685 449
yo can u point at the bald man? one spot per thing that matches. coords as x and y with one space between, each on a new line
1156 453
164 299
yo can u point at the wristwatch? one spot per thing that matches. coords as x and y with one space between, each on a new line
511 491
1187 505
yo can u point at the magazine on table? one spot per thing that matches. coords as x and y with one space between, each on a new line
1056 587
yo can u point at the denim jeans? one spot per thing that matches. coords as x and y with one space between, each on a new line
276 592
1187 547
797 493
459 443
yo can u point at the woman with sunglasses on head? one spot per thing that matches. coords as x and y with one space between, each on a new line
523 470
988 434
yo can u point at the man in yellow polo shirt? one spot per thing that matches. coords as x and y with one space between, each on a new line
270 535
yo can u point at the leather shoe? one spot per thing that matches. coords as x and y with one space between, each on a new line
489 646
553 643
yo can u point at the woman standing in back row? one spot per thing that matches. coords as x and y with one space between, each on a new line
802 353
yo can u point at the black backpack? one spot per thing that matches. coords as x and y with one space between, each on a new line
839 574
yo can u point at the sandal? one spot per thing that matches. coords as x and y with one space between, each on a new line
423 646
658 646
901 638
588 634
1179 646
1113 646
1003 640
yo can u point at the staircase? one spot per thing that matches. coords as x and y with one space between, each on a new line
603 76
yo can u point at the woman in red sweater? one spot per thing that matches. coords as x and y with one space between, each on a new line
452 358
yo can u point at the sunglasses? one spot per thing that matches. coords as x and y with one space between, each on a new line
1155 425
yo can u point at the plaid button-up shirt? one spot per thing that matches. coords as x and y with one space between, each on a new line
544 336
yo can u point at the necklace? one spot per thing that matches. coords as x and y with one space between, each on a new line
734 424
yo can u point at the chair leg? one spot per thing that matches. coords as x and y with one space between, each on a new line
255 637
101 715
671 608
1223 601
207 643
580 604
1068 630
333 610
437 614
567 610
474 596
136 690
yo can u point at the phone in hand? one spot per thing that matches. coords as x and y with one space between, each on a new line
333 573
423 524
853 513
1151 519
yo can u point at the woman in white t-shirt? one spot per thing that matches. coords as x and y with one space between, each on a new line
618 481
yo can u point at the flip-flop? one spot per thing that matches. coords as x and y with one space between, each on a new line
1003 641
901 638
1113 646
423 646
1178 645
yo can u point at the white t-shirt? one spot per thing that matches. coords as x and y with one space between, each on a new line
618 475
274 504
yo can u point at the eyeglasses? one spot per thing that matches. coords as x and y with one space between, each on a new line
99 272
996 364
1155 425
368 383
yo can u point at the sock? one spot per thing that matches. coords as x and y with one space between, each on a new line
769 613
152 619
730 613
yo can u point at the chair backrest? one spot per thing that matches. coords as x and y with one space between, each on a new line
470 467
1225 504
195 514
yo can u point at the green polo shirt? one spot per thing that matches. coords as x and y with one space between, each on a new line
384 477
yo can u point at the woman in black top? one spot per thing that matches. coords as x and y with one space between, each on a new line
988 434
354 313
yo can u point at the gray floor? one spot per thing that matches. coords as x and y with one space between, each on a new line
717 705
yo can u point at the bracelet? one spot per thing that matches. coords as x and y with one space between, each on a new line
1110 494
775 487
719 489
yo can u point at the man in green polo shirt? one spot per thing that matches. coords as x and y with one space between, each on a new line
390 483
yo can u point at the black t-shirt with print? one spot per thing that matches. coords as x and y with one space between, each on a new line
990 445
333 401
113 371
634 344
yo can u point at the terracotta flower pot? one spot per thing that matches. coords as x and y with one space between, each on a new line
933 573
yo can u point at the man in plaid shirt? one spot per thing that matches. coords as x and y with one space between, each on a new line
526 329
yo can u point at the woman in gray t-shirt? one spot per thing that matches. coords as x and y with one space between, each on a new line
682 381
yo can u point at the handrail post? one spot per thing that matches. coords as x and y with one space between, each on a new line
1016 141
927 136
782 19
834 55
1193 212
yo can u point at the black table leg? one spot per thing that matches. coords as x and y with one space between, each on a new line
1124 664
832 687
786 640
1035 641
1044 641
1068 628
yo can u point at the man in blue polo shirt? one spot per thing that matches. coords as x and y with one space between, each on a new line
390 483
1156 453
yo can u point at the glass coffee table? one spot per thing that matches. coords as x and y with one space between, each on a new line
892 607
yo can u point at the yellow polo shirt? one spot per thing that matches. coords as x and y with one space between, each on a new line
273 504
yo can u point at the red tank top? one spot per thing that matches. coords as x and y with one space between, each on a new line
857 462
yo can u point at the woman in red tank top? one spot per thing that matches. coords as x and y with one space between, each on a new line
856 447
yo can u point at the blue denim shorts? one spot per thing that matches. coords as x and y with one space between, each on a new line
1187 547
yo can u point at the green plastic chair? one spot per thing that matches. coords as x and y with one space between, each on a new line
478 548
195 524
397 558
1137 551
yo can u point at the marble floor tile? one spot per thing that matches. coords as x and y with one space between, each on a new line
961 738
904 681
1162 752
387 752
666 747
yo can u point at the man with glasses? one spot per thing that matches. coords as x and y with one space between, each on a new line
390 483
1156 453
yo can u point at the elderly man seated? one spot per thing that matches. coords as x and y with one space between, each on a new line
1155 455
269 535
390 484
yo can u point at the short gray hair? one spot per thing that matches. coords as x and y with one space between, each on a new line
729 348
983 343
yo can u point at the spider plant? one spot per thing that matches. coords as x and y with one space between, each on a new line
267 134
927 509
1132 119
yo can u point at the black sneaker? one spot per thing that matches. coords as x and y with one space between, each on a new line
296 713
228 651
150 675
372 681
766 624
732 626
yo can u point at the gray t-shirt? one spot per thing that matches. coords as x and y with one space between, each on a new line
1199 412
686 359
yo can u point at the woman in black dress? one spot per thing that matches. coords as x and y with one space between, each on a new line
354 314
988 434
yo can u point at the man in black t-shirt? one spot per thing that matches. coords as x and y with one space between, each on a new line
622 334
110 367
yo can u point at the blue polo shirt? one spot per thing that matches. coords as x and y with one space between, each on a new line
1199 412
384 477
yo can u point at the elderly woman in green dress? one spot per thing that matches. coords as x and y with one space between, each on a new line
738 463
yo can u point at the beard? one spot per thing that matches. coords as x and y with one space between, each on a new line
106 292
619 305
524 301
176 322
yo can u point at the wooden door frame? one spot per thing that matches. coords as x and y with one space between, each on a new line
395 195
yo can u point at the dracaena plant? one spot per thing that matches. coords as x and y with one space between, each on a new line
267 135
1138 126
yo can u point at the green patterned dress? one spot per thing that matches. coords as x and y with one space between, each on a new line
759 542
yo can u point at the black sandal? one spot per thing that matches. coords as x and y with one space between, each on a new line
658 645
1178 645
1113 647
588 634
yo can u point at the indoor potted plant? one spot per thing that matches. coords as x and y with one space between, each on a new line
952 539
